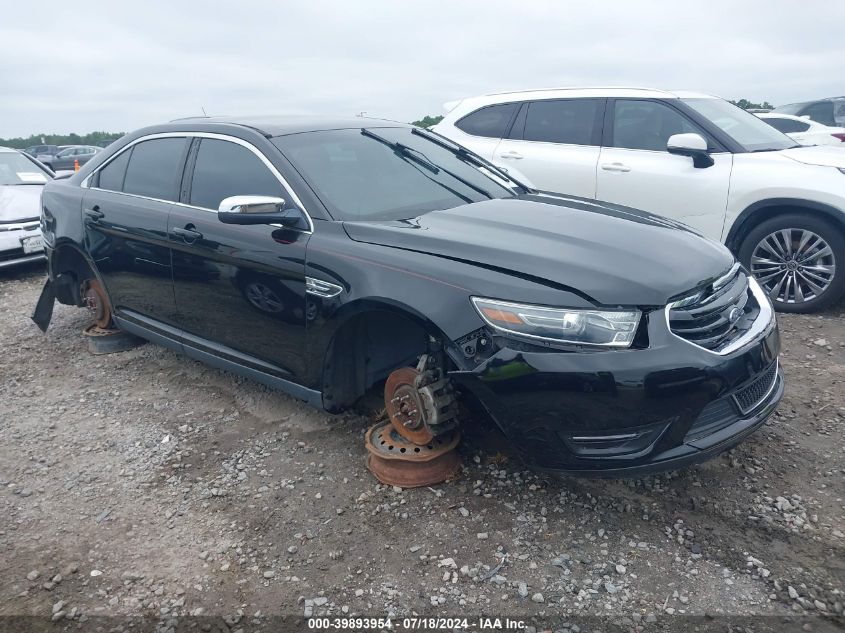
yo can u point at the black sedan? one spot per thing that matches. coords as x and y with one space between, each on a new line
329 257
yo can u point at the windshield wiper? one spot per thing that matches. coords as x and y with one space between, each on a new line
424 160
467 156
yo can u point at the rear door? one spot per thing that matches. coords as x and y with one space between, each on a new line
635 169
240 290
555 143
125 211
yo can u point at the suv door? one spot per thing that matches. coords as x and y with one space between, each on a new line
125 215
636 170
555 143
240 289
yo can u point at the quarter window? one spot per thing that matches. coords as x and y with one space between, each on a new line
787 125
155 168
639 124
569 121
821 111
111 176
224 169
491 121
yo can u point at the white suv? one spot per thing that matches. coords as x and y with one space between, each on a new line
692 157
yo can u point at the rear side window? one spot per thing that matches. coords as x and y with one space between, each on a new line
224 169
111 176
569 121
491 121
787 125
822 112
640 124
155 168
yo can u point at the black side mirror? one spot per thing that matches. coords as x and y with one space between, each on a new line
259 210
692 145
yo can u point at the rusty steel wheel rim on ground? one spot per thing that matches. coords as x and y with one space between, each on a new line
405 407
97 303
397 462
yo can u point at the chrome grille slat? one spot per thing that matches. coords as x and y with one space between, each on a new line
723 313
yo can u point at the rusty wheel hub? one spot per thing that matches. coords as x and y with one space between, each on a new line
397 462
97 303
405 406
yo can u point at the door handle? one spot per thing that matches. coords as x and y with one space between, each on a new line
511 154
189 234
615 167
94 214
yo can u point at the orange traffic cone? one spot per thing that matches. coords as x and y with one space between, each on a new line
75 164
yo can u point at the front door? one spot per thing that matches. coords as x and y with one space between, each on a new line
240 290
125 214
635 169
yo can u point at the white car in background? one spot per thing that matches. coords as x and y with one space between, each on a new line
21 180
804 130
688 156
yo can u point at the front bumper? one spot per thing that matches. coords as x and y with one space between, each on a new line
631 412
11 243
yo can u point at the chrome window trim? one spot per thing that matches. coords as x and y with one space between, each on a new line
86 183
762 325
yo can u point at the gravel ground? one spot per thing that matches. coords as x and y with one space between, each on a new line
146 484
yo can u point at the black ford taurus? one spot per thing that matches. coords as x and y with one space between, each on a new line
329 257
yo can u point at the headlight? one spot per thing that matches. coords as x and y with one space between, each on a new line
561 325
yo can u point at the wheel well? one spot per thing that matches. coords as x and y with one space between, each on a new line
70 269
756 214
365 350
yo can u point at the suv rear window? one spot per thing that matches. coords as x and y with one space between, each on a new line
787 125
490 121
155 168
568 121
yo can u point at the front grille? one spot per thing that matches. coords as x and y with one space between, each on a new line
748 398
716 315
14 253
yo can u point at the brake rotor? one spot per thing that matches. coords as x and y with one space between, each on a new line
395 461
97 303
405 407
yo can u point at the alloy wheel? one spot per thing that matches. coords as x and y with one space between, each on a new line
793 265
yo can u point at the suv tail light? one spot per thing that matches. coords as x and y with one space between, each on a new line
840 136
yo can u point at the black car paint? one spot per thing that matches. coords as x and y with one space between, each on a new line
426 269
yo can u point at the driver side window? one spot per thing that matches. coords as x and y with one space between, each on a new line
647 125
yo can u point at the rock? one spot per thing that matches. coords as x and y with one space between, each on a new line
482 536
33 575
820 342
448 562
359 593
610 587
463 511
792 593
58 606
269 573
651 618
538 597
292 549
224 567
621 569
522 590
320 601
95 573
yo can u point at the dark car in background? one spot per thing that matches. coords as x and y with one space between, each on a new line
326 257
68 157
44 153
829 111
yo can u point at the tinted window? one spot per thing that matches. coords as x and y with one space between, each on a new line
358 177
226 169
821 112
639 124
491 121
111 176
155 168
749 131
568 121
787 125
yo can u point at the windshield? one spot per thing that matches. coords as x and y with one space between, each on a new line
383 173
754 134
17 169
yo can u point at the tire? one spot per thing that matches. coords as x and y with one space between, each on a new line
795 258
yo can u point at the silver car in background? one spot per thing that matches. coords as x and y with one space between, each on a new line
21 180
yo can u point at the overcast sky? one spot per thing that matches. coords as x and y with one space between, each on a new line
115 66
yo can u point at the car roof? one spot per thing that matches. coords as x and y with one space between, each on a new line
280 125
575 92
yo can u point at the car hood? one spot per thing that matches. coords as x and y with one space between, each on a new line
824 155
612 254
20 202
